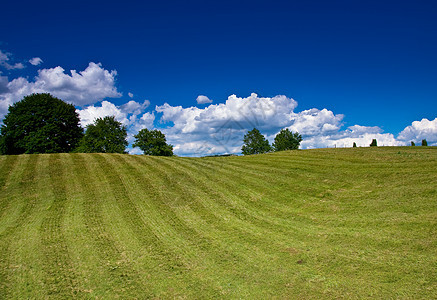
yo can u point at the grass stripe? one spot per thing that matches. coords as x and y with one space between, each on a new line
7 166
60 279
24 196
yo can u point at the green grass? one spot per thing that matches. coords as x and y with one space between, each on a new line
327 223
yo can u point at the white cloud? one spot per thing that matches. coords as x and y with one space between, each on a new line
201 99
91 113
219 128
133 107
313 122
4 62
419 130
130 95
128 114
80 88
35 61
253 111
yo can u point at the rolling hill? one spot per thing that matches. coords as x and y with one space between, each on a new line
332 223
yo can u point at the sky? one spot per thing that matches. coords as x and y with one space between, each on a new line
206 72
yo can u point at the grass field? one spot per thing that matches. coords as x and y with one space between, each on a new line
331 223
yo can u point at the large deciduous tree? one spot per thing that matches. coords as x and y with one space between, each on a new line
106 135
255 143
40 123
153 142
287 140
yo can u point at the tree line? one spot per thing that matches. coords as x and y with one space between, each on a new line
41 123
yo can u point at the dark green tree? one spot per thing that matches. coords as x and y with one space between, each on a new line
354 145
287 140
106 135
40 123
153 142
424 142
255 143
374 143
412 143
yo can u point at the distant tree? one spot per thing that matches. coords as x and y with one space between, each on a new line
413 144
287 140
374 143
153 142
354 145
40 123
255 143
106 135
424 142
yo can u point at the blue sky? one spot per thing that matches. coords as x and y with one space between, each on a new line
367 63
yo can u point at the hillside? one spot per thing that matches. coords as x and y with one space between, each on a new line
336 223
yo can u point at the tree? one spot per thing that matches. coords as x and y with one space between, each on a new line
287 140
412 143
153 142
424 142
106 135
40 123
374 143
354 145
255 143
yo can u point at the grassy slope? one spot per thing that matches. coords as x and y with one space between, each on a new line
338 223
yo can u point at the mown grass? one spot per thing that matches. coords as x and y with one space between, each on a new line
327 223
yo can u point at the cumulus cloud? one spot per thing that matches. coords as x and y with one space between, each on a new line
5 59
91 113
201 99
219 128
128 114
35 61
79 88
130 95
418 130
313 122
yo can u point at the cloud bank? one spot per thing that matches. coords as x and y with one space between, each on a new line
211 129
220 128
